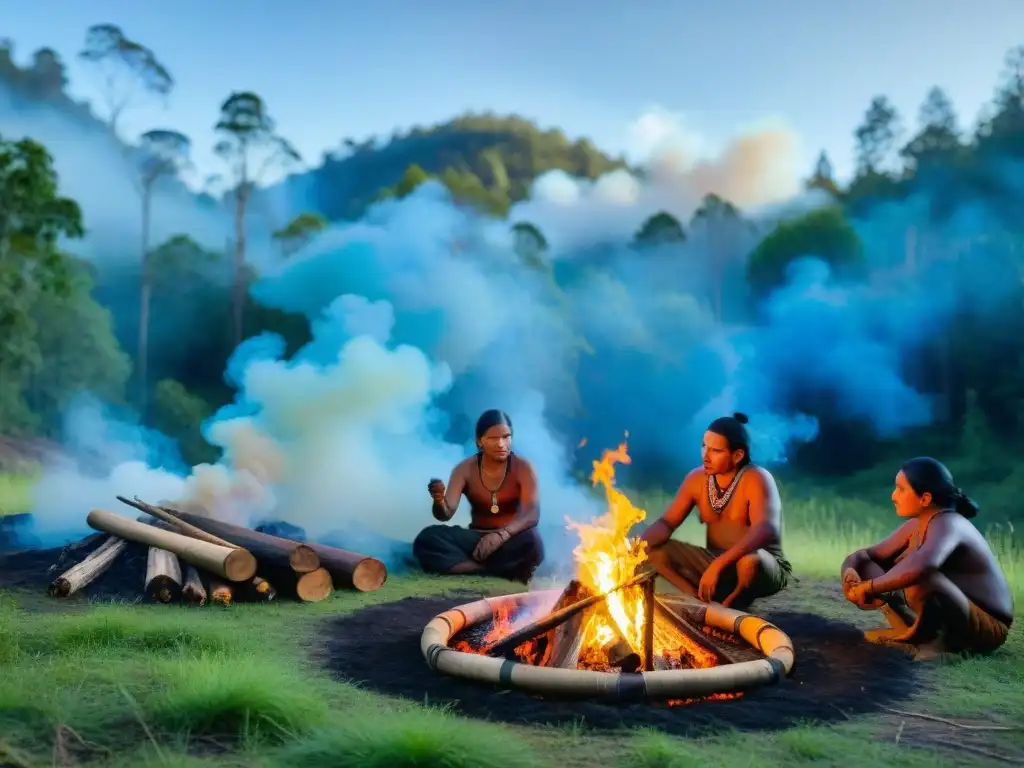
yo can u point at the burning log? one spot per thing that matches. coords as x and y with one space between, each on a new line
87 571
194 593
350 569
163 575
269 550
230 564
562 643
220 593
671 611
648 657
554 619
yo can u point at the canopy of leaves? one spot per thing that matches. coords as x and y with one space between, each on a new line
659 229
479 158
824 234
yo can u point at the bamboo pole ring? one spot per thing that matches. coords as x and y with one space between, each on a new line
761 634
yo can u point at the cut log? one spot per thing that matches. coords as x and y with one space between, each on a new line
270 550
230 564
220 593
163 575
175 524
87 571
350 569
309 587
194 593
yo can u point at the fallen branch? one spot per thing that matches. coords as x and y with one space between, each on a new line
194 593
163 575
178 525
231 564
87 571
552 620
953 723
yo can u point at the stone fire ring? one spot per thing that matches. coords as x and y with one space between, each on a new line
575 683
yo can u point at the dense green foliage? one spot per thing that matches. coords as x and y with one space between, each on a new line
485 160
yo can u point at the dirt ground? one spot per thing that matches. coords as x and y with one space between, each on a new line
837 674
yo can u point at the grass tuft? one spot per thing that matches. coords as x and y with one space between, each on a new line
244 698
419 739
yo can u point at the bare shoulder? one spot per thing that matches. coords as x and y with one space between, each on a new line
759 478
523 466
463 468
694 482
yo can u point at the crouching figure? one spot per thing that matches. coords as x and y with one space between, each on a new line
935 578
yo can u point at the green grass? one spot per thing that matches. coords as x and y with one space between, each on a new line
16 493
164 686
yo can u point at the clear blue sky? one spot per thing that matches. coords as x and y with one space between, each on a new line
330 69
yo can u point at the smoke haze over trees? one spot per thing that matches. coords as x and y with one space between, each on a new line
386 296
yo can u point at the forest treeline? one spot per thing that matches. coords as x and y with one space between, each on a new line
62 339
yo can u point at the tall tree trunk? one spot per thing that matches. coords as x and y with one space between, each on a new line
238 293
145 297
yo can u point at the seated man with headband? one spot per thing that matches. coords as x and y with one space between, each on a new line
502 538
739 503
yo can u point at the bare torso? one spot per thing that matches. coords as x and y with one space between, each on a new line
971 565
727 527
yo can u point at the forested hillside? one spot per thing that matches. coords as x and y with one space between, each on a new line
963 179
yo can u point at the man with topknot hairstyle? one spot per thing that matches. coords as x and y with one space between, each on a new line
739 503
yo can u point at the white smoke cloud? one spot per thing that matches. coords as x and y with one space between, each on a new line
677 168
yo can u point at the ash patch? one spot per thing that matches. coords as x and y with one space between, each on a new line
35 569
837 675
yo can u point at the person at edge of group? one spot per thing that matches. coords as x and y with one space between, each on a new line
740 505
501 487
934 578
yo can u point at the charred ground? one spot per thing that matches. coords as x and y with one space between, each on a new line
837 674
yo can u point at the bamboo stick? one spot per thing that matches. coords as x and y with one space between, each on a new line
230 564
179 525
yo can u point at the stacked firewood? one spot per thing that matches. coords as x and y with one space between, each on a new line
195 558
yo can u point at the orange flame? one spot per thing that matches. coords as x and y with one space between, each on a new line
606 557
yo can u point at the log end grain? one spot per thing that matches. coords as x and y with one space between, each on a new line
240 565
369 575
303 559
314 586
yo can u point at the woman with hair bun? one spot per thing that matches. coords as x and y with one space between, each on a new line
501 487
934 578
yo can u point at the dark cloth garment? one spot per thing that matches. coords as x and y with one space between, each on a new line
691 561
441 547
978 632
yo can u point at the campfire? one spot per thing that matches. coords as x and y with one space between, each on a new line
607 632
194 558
